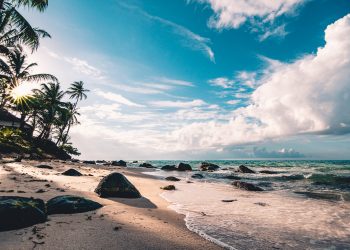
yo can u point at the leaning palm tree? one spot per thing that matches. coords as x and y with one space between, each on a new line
15 28
77 92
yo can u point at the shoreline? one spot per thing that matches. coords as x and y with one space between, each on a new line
145 223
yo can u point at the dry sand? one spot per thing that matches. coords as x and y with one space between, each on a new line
145 223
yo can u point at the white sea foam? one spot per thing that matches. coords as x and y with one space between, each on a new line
260 220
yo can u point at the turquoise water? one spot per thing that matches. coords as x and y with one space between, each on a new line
306 204
293 175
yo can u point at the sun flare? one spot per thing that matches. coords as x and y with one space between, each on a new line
22 91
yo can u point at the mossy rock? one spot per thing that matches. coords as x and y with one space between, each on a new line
69 204
20 212
117 185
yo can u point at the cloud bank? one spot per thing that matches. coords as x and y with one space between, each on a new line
310 95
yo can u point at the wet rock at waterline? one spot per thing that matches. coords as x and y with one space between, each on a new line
169 168
206 166
246 170
184 167
246 186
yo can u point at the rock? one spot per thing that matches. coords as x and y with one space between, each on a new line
231 177
135 162
68 204
172 178
117 185
169 187
19 212
146 165
120 163
246 186
184 167
72 172
246 170
169 168
268 172
74 160
197 176
44 166
229 200
89 162
206 166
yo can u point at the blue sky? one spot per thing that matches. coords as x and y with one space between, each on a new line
207 79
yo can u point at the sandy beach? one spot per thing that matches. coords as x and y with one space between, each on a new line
145 223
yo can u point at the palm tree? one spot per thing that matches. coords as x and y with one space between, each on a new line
67 117
15 28
15 71
77 92
51 97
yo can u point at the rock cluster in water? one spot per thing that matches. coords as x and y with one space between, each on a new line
206 166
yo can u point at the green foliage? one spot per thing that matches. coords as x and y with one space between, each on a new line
45 109
69 149
9 135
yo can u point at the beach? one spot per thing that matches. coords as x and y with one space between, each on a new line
144 223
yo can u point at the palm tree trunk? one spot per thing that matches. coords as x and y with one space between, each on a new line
22 121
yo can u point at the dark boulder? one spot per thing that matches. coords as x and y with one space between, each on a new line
231 177
246 186
89 162
169 187
268 172
120 163
20 212
168 168
246 170
146 165
68 204
197 176
184 167
72 172
44 166
172 178
206 166
117 185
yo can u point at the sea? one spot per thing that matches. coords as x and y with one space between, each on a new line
305 204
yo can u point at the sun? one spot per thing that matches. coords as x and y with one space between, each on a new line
21 92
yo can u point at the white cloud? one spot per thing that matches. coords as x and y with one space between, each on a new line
309 95
234 13
178 104
116 98
222 82
233 102
84 67
175 82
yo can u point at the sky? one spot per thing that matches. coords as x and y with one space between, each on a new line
203 79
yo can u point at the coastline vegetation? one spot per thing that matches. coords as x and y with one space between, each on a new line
41 112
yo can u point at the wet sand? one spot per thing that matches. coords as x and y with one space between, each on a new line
145 223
